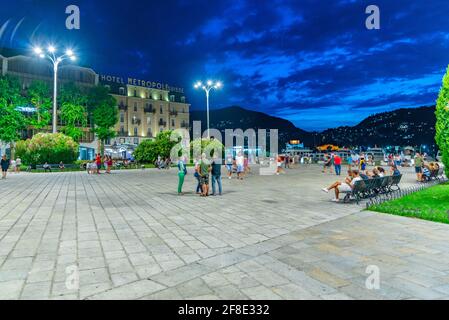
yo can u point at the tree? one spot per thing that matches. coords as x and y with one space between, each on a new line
73 110
12 120
103 112
207 146
39 95
148 150
442 124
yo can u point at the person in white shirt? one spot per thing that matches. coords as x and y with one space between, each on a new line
13 166
239 161
346 186
18 164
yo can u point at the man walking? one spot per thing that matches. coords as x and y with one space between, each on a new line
98 162
216 175
337 164
4 163
419 162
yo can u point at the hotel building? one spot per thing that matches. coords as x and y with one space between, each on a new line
145 108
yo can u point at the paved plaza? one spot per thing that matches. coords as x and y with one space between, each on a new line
128 235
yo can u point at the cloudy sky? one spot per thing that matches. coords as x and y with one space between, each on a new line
310 61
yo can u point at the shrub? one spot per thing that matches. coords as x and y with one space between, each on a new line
148 151
47 147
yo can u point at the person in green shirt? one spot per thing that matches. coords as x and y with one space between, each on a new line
419 162
204 170
182 171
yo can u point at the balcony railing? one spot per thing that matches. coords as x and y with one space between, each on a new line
136 121
184 125
149 110
122 106
173 113
162 123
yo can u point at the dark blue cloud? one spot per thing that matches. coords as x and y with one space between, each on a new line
312 62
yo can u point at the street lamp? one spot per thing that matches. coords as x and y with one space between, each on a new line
207 88
50 54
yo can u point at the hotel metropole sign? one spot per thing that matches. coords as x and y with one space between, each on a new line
141 83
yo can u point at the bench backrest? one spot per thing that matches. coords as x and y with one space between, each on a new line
387 180
396 179
359 186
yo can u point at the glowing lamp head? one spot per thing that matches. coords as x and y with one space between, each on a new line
51 49
209 83
73 58
38 50
69 52
218 85
42 56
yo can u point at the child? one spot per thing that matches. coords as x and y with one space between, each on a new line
362 164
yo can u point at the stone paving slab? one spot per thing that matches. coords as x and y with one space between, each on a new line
128 235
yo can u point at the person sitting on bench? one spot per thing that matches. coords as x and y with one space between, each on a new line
46 167
345 187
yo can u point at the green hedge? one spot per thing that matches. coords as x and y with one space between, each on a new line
47 147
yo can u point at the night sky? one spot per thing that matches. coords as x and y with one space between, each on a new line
310 61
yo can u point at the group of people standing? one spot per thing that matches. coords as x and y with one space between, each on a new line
94 167
204 170
332 161
208 172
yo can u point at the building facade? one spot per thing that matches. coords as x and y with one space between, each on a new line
145 108
144 111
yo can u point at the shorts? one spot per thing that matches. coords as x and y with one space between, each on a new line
204 180
344 187
418 169
240 168
229 167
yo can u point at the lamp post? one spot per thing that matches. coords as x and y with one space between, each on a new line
207 88
50 54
